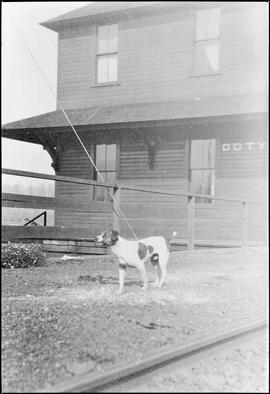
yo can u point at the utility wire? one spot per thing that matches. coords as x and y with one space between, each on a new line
75 132
100 107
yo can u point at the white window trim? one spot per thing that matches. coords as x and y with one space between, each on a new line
97 55
195 40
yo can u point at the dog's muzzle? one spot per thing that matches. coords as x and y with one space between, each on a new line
98 239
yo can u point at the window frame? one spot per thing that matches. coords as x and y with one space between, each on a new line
212 168
116 170
195 41
106 54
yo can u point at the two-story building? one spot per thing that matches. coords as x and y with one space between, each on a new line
164 95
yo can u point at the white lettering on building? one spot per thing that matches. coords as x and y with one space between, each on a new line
249 144
237 146
226 147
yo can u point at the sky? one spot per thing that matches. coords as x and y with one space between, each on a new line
24 92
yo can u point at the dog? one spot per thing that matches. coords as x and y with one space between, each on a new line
136 254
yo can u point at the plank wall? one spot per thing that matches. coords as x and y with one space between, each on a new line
156 59
74 163
241 175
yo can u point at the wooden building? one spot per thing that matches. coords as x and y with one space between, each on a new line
164 95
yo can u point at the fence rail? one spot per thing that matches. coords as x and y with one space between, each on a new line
27 201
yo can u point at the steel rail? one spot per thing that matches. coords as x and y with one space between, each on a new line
93 382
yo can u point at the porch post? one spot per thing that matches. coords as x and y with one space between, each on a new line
191 222
244 224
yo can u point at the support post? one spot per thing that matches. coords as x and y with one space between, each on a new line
116 213
244 224
191 222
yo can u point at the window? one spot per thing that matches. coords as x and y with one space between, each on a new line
105 160
202 168
207 41
107 54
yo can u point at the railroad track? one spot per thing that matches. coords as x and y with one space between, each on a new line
102 382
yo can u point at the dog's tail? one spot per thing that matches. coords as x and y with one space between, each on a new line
174 234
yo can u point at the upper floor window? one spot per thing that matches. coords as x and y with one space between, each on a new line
207 41
107 54
105 160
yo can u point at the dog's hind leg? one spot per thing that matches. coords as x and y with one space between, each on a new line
163 277
155 263
122 271
158 272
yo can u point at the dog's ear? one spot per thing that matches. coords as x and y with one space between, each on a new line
114 236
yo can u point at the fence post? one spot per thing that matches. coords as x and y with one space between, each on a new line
116 202
244 224
191 222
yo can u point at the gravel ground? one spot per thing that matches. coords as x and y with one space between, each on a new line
243 368
65 318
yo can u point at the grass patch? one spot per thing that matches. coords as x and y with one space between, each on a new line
18 255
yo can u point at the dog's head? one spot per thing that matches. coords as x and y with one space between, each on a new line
107 237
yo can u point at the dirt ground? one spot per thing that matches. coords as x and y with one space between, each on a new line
65 318
237 368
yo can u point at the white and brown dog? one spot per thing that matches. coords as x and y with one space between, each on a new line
136 254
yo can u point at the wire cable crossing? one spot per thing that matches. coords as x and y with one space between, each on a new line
75 132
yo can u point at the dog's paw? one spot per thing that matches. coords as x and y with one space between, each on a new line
119 291
160 285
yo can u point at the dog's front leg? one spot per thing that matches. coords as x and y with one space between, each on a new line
122 271
143 272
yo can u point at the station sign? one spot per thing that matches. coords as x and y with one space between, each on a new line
238 146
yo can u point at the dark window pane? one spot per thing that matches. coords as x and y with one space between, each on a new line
202 182
112 38
102 39
196 181
102 69
101 176
208 153
106 164
100 192
112 68
111 177
206 56
207 23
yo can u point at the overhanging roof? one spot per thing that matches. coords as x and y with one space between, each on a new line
144 112
108 9
96 9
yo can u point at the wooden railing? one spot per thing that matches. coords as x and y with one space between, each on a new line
27 201
191 210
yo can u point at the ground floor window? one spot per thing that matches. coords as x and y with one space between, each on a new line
105 160
202 168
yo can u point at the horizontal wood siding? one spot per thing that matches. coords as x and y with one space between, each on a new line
75 163
237 158
156 59
170 161
154 214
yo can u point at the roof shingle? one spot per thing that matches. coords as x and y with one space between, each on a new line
127 113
